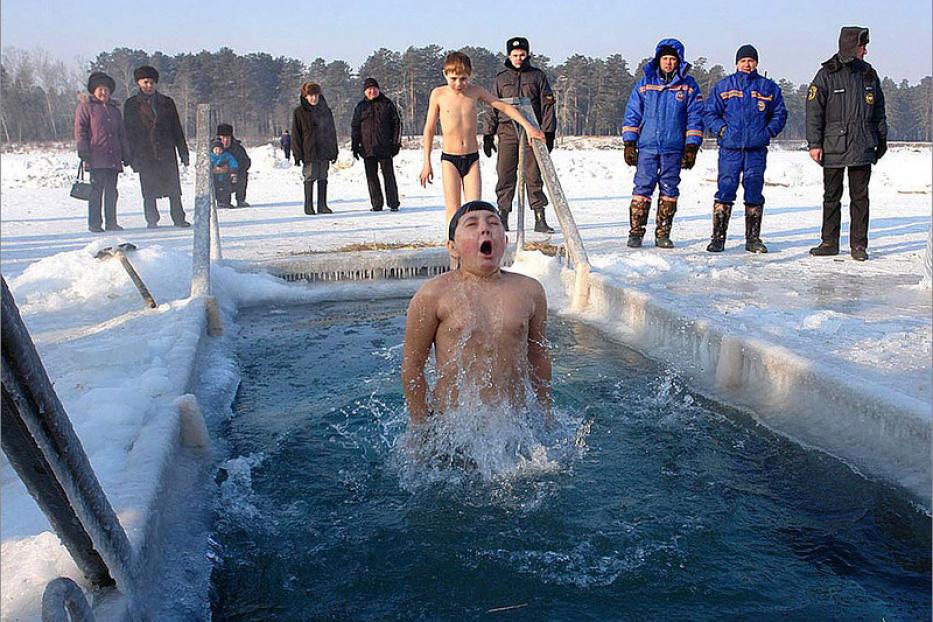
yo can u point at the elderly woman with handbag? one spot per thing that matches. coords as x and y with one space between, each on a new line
102 148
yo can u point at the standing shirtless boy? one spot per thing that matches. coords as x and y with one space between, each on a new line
455 104
487 326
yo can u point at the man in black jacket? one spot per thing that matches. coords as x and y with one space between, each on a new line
155 133
376 132
846 127
234 147
520 79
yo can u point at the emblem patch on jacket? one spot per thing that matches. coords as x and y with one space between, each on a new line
680 96
811 94
869 98
762 105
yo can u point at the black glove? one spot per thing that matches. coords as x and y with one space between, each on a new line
297 162
127 162
549 141
334 161
184 159
631 153
882 148
690 156
396 149
489 144
356 152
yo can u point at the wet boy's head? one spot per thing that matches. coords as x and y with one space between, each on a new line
457 70
476 237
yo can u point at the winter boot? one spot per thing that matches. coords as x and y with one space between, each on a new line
541 225
322 198
859 253
721 214
825 249
662 233
309 198
638 218
753 243
504 217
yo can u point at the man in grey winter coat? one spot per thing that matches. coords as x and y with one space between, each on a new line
520 79
846 128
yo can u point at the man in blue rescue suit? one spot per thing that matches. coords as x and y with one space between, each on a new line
745 111
662 133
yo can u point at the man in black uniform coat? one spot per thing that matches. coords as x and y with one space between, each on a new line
520 79
234 147
376 131
155 133
846 127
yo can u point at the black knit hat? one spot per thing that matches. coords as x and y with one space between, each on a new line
666 50
225 129
746 51
99 78
370 82
217 143
146 71
472 206
517 43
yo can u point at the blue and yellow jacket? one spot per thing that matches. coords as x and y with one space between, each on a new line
750 107
224 159
664 116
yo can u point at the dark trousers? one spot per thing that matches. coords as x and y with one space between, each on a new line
858 205
507 170
372 166
103 189
239 187
287 150
152 212
222 190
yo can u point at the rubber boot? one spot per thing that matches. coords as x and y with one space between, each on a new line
309 198
753 243
825 249
322 198
638 218
721 214
504 217
541 225
662 234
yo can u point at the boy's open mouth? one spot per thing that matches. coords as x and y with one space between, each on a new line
486 248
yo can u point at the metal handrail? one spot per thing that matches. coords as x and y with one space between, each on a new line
63 601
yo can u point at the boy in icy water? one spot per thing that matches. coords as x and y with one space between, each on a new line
487 327
455 106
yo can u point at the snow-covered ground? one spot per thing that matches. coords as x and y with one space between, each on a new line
118 367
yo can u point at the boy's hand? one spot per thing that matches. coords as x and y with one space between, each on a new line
535 134
427 175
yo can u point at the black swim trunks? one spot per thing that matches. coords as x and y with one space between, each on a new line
461 162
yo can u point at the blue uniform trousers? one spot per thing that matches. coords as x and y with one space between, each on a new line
657 169
750 164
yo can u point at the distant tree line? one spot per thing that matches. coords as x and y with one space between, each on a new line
256 92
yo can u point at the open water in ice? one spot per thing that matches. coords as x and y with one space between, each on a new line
646 503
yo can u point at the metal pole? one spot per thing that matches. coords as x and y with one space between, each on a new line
520 190
42 447
201 252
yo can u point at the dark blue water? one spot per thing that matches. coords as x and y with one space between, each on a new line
662 505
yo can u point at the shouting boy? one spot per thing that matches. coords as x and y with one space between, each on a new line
455 105
487 326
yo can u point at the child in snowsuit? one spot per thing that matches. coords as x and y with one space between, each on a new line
222 165
745 111
662 133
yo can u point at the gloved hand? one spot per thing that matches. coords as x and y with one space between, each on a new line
356 152
882 148
185 160
395 149
334 161
489 144
631 153
690 156
128 162
549 141
297 162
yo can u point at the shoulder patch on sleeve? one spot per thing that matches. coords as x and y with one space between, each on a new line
549 98
811 93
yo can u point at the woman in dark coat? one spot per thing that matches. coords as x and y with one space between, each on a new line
103 149
314 142
376 131
155 133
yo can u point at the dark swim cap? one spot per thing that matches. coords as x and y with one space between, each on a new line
472 206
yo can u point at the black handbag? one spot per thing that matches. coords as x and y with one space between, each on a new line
81 189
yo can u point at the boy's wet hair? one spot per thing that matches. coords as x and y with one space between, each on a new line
466 208
458 64
310 88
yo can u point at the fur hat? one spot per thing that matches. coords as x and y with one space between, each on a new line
370 82
225 129
517 43
146 71
746 51
99 78
666 50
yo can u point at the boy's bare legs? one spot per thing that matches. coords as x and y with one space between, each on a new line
452 188
472 184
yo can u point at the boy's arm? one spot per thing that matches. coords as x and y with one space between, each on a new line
427 173
539 359
420 329
510 110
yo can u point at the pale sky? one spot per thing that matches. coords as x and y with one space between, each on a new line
792 37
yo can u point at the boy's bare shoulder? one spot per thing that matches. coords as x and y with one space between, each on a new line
525 282
433 288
